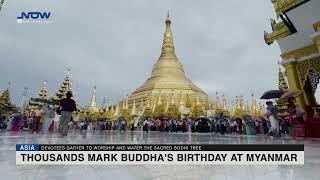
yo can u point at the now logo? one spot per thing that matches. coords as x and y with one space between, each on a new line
34 15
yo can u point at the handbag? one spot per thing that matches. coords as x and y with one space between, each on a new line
42 120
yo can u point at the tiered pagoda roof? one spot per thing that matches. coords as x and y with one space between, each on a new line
41 97
65 87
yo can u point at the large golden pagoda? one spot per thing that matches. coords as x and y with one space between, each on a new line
168 77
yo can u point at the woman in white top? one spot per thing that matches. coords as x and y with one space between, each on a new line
273 118
48 113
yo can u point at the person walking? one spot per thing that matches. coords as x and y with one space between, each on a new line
273 118
36 120
297 115
67 106
49 116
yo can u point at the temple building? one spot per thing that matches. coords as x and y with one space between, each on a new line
168 83
298 36
297 33
65 87
6 106
39 100
42 96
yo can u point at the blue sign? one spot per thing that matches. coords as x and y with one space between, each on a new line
34 15
27 147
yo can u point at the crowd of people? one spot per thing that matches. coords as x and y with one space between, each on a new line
43 119
48 119
44 122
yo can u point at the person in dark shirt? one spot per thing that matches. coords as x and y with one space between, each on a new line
67 106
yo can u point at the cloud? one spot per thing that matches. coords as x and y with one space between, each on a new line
113 44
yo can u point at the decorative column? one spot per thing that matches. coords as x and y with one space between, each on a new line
293 80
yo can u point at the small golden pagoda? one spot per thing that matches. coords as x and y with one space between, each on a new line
240 108
167 77
6 107
92 107
39 100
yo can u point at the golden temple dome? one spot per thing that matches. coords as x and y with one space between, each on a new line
167 75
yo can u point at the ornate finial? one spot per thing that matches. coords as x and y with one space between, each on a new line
168 17
68 72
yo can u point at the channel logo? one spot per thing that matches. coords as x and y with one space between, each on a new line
34 17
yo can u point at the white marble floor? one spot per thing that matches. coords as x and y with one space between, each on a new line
9 170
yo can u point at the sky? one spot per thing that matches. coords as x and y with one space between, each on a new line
113 44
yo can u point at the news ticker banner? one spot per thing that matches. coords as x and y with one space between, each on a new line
135 154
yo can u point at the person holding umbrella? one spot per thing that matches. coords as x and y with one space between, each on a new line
296 113
273 118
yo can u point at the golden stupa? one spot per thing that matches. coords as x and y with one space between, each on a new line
168 77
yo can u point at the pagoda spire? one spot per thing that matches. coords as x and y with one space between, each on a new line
141 107
123 104
93 102
254 108
181 99
207 104
282 84
43 92
154 103
188 102
167 102
127 105
117 111
134 109
112 109
218 107
172 98
198 102
148 102
225 105
159 99
167 45
65 87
